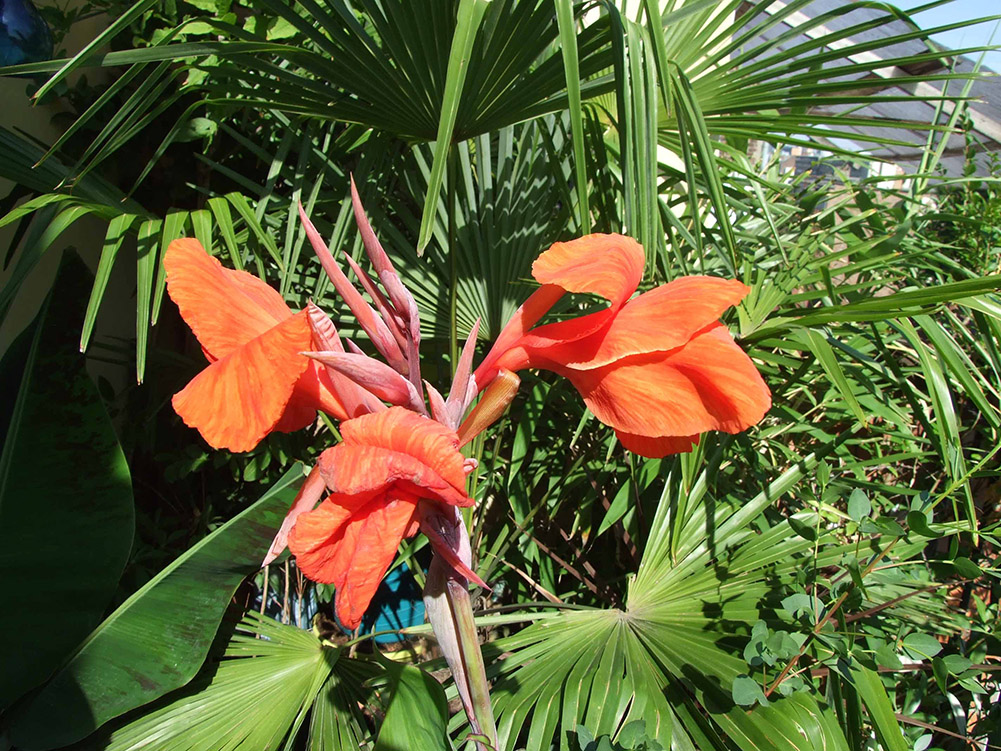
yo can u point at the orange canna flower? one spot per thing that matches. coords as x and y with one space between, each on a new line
394 472
256 381
658 368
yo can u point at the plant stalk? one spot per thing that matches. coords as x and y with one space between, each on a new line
451 178
469 645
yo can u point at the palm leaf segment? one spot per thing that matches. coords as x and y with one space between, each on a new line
258 696
671 656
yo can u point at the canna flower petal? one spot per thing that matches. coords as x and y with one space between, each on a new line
350 542
404 432
659 446
708 384
657 321
397 446
312 490
556 344
314 390
257 382
610 266
224 308
527 315
353 470
240 398
355 400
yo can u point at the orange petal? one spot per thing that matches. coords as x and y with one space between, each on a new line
657 447
708 384
225 308
405 432
659 320
313 391
526 316
607 265
238 399
315 529
311 491
556 344
351 469
413 529
352 548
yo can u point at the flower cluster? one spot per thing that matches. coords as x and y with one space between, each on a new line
658 367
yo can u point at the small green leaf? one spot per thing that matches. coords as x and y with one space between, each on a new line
280 29
889 527
197 128
790 686
632 734
823 473
799 602
956 664
921 646
886 657
747 692
869 527
967 568
972 685
859 506
941 673
917 521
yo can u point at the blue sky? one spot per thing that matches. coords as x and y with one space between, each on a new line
961 10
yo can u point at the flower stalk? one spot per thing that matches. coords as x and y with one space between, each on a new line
472 657
450 612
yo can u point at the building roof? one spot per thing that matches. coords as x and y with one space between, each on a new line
984 109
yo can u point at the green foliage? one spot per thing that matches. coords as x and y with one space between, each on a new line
257 696
66 516
417 713
968 216
632 737
828 580
156 640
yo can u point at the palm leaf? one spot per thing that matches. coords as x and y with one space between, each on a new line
256 697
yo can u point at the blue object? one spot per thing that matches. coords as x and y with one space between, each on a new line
397 604
24 35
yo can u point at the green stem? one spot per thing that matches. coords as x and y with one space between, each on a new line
453 267
472 658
